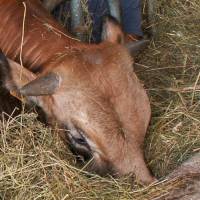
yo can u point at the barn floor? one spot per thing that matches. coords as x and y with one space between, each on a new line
34 163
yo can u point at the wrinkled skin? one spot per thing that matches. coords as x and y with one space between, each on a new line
91 91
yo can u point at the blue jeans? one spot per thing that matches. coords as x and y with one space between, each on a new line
131 16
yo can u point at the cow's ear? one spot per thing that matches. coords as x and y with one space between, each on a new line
18 79
112 31
12 75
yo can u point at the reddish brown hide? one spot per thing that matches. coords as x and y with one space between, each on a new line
91 90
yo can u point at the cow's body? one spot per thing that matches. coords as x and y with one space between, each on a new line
97 96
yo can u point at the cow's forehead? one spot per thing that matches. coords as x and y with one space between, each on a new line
93 56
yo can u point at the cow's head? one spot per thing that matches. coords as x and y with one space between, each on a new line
90 92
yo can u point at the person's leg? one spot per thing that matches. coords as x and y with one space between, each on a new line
97 9
131 16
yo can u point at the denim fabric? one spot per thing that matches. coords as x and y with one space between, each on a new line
97 9
131 16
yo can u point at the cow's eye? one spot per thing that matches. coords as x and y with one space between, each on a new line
78 143
80 140
78 136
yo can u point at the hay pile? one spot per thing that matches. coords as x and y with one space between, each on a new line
34 163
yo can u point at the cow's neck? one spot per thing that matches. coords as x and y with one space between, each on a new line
43 39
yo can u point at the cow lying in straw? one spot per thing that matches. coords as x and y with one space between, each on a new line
91 91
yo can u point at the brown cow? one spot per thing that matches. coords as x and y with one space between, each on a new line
90 90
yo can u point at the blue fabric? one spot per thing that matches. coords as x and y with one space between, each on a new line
131 16
97 9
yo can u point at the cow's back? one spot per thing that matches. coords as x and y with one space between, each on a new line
40 31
